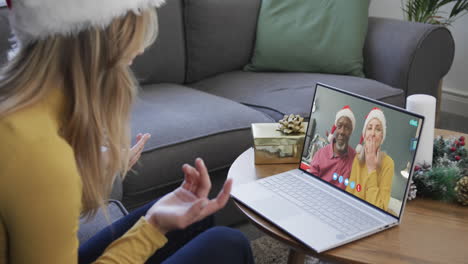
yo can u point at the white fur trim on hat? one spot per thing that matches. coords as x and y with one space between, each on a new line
359 146
379 115
38 19
344 112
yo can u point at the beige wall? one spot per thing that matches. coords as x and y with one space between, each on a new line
455 83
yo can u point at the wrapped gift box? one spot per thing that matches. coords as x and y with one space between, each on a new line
272 146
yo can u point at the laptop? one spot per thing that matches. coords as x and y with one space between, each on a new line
333 197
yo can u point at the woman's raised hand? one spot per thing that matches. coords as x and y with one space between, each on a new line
135 151
189 203
372 154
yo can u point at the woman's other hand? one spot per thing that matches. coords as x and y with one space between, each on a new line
135 151
189 203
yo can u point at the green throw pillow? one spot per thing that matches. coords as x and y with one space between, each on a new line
322 36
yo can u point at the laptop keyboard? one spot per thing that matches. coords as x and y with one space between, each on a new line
319 203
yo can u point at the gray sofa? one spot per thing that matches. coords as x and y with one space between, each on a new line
196 101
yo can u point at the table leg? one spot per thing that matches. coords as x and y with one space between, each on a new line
296 257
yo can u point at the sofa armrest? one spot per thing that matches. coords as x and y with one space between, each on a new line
411 56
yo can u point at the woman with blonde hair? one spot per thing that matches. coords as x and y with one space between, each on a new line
65 93
372 170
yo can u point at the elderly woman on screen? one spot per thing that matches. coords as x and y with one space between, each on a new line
372 170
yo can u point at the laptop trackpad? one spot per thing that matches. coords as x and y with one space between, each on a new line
275 208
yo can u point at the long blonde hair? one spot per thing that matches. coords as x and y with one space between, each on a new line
92 70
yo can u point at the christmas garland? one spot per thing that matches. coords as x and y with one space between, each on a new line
447 178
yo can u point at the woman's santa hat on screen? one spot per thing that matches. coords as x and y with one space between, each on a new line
344 112
32 20
379 115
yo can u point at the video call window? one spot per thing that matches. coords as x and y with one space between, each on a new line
361 147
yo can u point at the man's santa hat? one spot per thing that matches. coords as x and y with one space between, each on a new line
32 20
379 115
344 112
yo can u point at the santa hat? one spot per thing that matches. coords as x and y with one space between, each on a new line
344 112
379 115
38 19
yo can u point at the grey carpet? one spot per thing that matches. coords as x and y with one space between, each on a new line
267 250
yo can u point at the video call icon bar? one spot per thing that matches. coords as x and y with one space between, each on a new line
341 179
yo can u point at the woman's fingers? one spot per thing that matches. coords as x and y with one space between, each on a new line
188 178
135 151
370 147
135 158
376 148
197 180
207 207
141 141
220 201
224 194
366 148
139 138
191 181
204 183
182 208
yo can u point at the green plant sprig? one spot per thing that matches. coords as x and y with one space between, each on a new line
427 11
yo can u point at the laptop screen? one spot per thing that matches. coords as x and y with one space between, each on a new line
361 146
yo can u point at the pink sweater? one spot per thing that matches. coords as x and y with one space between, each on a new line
325 163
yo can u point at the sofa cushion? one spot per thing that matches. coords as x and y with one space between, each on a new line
286 93
164 61
185 124
220 35
311 36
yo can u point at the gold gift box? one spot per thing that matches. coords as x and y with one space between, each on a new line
272 146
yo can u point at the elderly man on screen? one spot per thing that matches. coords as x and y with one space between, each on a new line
333 162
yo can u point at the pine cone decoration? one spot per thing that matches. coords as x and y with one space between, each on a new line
291 124
461 190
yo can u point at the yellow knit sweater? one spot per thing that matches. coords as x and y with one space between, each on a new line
40 194
376 187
